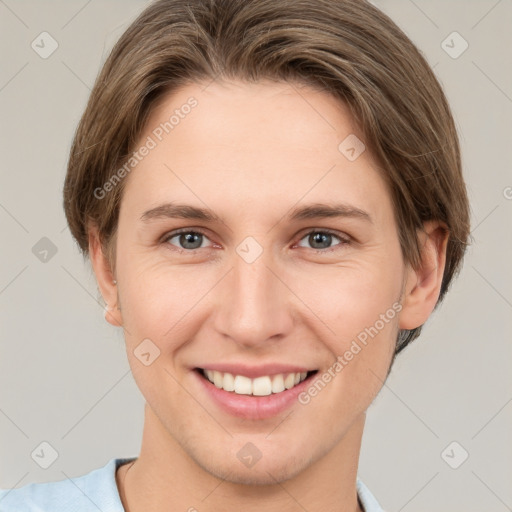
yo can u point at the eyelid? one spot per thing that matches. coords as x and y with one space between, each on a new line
344 238
339 234
171 234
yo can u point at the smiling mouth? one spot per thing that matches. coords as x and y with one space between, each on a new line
260 386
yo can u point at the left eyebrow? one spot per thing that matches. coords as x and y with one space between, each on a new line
319 211
311 211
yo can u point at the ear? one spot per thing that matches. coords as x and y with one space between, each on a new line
423 285
104 277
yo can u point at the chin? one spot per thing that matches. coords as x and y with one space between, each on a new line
264 472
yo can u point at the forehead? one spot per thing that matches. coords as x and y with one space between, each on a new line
253 145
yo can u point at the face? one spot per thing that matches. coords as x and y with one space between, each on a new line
293 267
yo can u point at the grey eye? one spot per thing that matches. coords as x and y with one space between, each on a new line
188 240
321 239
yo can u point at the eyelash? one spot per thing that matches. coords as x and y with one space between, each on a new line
344 240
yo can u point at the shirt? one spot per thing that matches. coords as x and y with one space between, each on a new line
97 491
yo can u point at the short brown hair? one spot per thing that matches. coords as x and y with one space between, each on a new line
347 48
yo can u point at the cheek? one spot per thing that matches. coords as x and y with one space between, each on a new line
359 311
349 298
159 300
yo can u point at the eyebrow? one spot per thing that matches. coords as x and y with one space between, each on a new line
311 211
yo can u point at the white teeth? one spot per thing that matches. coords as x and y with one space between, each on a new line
243 385
218 379
229 382
260 386
278 383
289 381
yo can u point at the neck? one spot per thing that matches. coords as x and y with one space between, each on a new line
165 478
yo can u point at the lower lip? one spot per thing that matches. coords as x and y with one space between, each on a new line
250 406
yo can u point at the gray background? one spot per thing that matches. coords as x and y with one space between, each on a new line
64 374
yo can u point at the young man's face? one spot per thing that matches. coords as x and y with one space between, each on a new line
261 293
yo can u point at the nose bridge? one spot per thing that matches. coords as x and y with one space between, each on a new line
255 305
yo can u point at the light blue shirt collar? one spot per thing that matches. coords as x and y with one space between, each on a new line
98 490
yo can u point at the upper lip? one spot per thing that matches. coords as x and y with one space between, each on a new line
255 371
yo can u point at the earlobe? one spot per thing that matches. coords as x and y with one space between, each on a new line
423 284
111 316
106 282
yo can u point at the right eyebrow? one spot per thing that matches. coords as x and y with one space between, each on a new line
179 211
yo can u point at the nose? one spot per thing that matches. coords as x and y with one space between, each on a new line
254 306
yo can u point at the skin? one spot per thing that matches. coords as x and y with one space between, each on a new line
251 153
